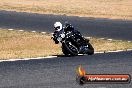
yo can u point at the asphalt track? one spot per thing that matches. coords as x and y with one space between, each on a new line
60 72
96 27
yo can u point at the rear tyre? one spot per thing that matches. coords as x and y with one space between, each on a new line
91 49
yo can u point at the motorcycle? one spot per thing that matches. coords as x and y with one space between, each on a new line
74 44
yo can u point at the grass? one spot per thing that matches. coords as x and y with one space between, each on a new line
16 44
115 9
106 45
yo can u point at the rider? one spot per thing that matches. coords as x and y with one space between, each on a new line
60 30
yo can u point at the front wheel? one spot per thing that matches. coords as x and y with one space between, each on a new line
69 49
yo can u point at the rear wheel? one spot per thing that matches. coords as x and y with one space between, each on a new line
90 49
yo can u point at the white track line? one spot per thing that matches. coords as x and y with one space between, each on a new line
21 30
129 49
109 39
33 31
56 56
10 29
98 52
28 59
43 32
114 51
120 50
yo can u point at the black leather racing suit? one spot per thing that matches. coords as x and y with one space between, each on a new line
69 27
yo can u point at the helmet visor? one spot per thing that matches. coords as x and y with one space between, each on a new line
57 28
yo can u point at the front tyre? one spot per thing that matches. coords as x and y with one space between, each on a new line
65 51
69 49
